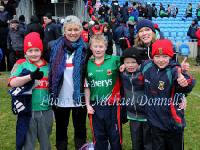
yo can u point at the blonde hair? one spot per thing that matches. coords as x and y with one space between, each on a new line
139 42
98 37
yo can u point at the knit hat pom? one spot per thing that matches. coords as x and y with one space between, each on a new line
162 47
32 40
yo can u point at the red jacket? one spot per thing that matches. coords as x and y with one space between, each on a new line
198 36
85 35
95 31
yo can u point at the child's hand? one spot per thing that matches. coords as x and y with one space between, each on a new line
37 74
122 68
90 110
183 104
181 79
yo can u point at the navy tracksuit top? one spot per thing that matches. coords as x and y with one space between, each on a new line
163 96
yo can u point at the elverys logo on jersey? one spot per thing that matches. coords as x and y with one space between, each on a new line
101 83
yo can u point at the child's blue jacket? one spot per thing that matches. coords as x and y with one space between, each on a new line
163 96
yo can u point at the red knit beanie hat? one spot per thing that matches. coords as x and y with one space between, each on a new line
32 40
162 47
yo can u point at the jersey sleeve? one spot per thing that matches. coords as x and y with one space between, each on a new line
16 70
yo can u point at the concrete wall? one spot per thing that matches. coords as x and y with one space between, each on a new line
25 8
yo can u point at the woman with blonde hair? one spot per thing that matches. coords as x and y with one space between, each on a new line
145 36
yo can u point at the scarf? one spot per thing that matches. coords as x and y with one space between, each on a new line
58 57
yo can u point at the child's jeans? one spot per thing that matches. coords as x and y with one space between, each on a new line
40 127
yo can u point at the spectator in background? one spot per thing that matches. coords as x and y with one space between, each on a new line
125 13
198 45
109 37
162 12
149 11
121 32
135 12
4 17
115 8
15 42
22 22
97 5
141 10
51 32
198 12
154 10
96 28
131 27
174 10
85 32
35 26
169 10
113 23
192 29
10 7
188 12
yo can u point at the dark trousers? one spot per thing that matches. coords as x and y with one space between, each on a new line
62 116
21 129
105 126
14 56
163 140
198 55
140 135
5 60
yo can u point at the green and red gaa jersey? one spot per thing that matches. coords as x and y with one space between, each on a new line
40 95
103 80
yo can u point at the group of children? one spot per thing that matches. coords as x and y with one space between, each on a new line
153 91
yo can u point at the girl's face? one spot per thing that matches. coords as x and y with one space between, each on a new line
34 55
130 64
98 48
146 35
161 61
72 32
105 29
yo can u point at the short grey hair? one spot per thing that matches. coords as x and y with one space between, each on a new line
72 20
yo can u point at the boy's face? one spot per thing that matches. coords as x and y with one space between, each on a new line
34 54
130 64
46 20
146 35
161 61
98 48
